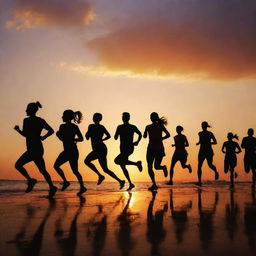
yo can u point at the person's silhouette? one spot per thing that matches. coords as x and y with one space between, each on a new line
230 148
155 150
206 140
70 134
124 235
232 211
206 228
155 228
180 218
249 144
32 129
96 133
126 132
180 153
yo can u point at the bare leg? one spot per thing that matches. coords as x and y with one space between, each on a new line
103 163
158 165
199 170
88 160
74 166
61 159
126 174
24 159
213 167
150 159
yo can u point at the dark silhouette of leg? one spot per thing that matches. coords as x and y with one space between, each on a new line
24 159
126 174
150 160
232 177
199 169
61 159
103 163
73 161
174 161
158 165
213 167
39 161
92 156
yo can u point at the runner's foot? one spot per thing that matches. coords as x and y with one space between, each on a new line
189 168
52 192
153 187
101 178
82 190
216 175
169 183
65 185
122 182
130 187
198 184
31 184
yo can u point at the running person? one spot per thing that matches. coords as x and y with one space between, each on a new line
155 150
70 134
180 153
32 129
126 132
96 133
206 140
230 148
249 144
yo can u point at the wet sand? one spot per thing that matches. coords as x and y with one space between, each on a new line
213 220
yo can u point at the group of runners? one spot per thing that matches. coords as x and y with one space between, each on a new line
69 133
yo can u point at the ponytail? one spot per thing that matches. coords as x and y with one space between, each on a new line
38 104
163 120
78 117
235 137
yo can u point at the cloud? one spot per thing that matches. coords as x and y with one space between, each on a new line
38 13
212 39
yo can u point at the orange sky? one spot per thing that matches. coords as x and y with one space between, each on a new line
187 63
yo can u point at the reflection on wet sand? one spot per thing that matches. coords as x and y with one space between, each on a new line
250 220
179 217
126 242
200 222
232 211
206 229
156 232
67 241
32 246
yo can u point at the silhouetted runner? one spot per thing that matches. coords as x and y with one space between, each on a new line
230 148
96 133
180 153
155 150
206 140
126 132
32 129
249 144
70 134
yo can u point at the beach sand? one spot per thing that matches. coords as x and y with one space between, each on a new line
183 220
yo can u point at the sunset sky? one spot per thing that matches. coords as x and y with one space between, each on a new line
188 60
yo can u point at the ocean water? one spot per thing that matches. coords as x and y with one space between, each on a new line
15 186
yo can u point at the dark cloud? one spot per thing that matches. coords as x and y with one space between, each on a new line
214 39
35 13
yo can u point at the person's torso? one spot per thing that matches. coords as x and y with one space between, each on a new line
126 132
155 135
180 143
